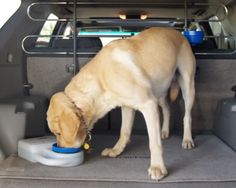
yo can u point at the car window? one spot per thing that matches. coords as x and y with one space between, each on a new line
47 29
222 41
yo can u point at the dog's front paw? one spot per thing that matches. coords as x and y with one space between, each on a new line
157 173
188 144
164 135
110 152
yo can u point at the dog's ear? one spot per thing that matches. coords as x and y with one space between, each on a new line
54 126
58 105
69 122
64 121
53 115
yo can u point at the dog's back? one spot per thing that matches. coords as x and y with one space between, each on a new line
154 55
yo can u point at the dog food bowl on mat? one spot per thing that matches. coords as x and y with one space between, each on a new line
45 151
194 37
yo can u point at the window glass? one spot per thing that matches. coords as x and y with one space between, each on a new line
67 32
7 9
222 41
216 27
47 29
106 40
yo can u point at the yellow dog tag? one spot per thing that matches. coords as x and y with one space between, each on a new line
86 146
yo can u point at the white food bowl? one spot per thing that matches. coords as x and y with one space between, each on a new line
40 150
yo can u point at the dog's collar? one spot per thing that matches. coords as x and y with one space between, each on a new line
88 132
83 122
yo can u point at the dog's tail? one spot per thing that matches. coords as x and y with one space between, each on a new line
174 90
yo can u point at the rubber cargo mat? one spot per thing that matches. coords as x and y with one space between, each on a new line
210 161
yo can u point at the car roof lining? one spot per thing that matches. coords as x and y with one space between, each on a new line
153 8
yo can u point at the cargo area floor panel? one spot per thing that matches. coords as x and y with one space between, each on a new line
210 161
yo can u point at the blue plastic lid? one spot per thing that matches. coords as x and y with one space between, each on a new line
58 149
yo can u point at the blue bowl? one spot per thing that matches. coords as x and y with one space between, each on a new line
194 37
58 149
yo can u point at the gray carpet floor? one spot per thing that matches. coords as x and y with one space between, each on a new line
210 161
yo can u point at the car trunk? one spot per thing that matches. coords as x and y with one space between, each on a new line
36 73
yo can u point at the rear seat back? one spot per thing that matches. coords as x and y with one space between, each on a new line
48 74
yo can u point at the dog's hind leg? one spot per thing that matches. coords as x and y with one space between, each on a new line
186 67
125 132
188 92
166 117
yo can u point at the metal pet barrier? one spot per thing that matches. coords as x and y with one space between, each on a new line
169 22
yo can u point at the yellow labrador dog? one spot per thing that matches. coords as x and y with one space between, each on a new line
133 73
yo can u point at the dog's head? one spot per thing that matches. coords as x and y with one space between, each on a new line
65 121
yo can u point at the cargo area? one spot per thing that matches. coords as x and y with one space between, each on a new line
45 43
210 163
